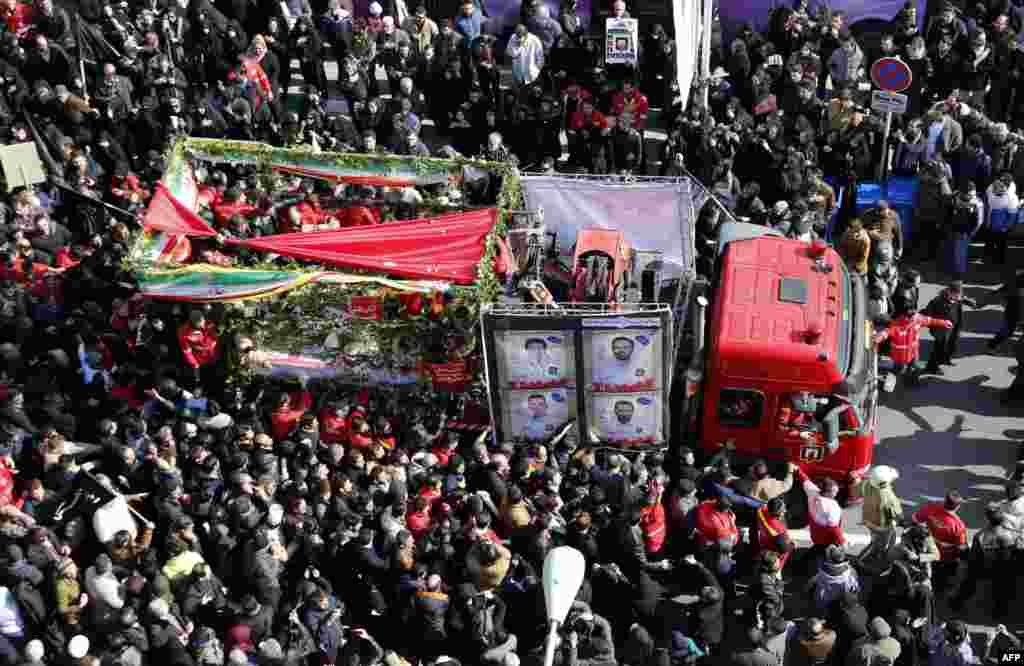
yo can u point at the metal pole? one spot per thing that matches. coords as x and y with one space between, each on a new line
882 169
705 50
552 641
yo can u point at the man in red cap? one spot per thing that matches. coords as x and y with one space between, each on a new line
949 532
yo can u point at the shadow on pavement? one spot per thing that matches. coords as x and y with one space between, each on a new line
936 390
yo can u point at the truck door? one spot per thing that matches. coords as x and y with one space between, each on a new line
741 416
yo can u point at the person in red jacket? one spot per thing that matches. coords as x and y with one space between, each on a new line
288 413
359 432
632 101
715 522
949 532
904 336
307 215
334 424
772 533
653 521
233 204
587 117
418 520
199 343
356 216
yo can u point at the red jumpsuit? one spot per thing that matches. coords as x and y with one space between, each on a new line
209 196
653 525
309 216
635 104
20 21
946 528
418 522
578 120
284 420
333 428
357 216
713 525
198 345
223 211
904 335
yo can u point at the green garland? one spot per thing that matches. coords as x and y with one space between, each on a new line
261 153
300 320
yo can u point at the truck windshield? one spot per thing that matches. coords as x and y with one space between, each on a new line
844 336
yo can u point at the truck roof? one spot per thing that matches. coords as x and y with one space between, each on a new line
779 315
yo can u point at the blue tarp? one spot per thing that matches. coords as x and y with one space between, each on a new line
900 195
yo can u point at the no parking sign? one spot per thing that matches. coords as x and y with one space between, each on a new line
891 75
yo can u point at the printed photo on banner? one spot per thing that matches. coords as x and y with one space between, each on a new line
536 415
621 37
620 361
535 359
626 419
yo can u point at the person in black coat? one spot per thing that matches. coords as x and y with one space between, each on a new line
949 304
427 618
905 635
1011 290
258 617
368 570
707 624
849 618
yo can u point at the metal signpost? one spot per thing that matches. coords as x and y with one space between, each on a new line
891 76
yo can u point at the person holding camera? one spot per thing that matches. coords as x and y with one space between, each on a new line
590 640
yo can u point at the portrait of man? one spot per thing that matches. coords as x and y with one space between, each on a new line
537 426
621 369
534 360
537 415
628 421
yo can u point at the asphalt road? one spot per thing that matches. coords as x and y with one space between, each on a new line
952 431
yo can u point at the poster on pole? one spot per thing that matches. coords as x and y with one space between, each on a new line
621 37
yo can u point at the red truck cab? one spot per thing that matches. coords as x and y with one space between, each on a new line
787 326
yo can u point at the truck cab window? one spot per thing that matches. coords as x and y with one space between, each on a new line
740 407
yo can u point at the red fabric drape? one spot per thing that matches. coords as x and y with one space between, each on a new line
448 247
167 214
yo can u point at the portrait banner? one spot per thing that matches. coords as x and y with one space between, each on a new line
626 420
536 415
535 359
623 361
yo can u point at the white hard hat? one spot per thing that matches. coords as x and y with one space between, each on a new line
883 474
78 646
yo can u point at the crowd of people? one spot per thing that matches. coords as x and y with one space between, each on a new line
151 514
